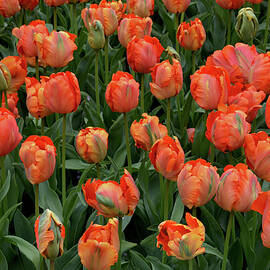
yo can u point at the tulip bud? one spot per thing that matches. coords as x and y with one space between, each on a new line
96 38
246 24
5 77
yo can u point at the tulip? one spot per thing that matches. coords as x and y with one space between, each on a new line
9 132
5 77
209 87
57 43
254 1
26 33
237 189
261 205
191 35
99 245
257 151
92 144
167 79
122 93
38 157
147 131
167 156
55 3
230 4
197 183
111 199
29 4
226 129
267 113
62 92
182 241
144 53
117 6
141 8
246 24
176 6
96 38
133 26
9 8
12 100
50 235
191 134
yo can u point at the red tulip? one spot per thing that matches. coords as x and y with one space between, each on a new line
176 6
267 113
9 8
12 100
29 4
230 4
55 3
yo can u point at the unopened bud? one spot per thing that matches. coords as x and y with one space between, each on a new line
96 38
5 77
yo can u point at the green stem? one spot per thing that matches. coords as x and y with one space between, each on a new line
1 98
142 92
37 68
6 100
266 26
118 266
168 116
166 200
21 17
182 20
127 144
106 47
96 83
190 264
64 160
55 18
98 170
133 74
42 126
229 26
51 264
161 182
3 176
194 211
212 153
227 240
179 111
193 61
176 24
75 26
36 188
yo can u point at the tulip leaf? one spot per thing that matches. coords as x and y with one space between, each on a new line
156 264
138 260
212 250
3 261
125 245
236 255
76 164
5 188
126 220
64 261
178 210
30 252
7 213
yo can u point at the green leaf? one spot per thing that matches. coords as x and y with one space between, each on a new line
212 250
6 215
125 245
70 204
3 261
138 260
178 210
236 255
156 264
5 188
76 164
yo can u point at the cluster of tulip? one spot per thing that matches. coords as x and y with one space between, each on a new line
229 89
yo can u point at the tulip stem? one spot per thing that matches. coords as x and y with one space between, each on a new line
74 19
142 92
42 126
3 174
98 170
64 160
21 17
51 264
120 238
166 199
181 20
193 61
266 26
54 18
36 188
106 47
227 240
6 100
212 153
37 68
194 211
190 264
229 26
96 83
169 115
161 195
127 144
176 22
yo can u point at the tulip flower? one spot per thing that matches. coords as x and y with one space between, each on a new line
237 189
99 245
9 8
92 144
55 3
230 4
197 183
257 151
96 38
176 6
167 156
50 235
117 6
133 26
191 35
147 131
141 8
12 100
267 113
261 205
111 199
5 77
182 241
191 134
29 4
254 1
167 79
227 128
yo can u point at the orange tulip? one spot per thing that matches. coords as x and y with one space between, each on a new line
226 129
12 100
26 33
38 157
35 100
111 199
147 131
57 43
209 87
167 79
191 35
167 156
122 93
141 8
191 134
133 26
144 53
92 144
9 8
176 6
9 132
99 246
237 189
117 6
230 4
29 4
261 205
254 1
267 112
106 15
18 71
62 92
197 183
182 241
55 3
257 151
50 235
